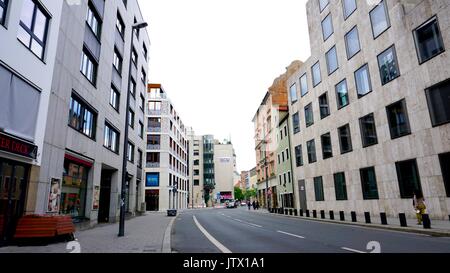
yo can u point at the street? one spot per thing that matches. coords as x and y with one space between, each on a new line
242 231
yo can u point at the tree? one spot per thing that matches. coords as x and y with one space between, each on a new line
250 193
238 195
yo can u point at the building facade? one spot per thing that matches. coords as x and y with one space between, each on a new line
76 56
166 170
370 108
224 171
197 199
283 172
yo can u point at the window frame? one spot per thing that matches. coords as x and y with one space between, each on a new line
394 53
322 144
312 74
363 136
311 160
403 188
405 109
309 112
321 9
84 106
344 10
117 95
430 105
322 107
294 127
332 27
339 107
97 33
386 11
86 52
327 60
299 156
344 197
5 6
355 28
364 192
370 81
319 191
304 76
349 138
294 85
434 17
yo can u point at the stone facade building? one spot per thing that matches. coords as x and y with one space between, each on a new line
370 108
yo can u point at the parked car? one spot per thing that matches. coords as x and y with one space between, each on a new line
231 204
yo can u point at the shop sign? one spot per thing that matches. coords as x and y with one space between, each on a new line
16 146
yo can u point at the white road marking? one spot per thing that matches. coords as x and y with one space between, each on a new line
290 234
211 238
352 250
244 222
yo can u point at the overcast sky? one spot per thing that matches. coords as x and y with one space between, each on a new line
216 60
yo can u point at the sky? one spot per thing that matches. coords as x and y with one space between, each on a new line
216 60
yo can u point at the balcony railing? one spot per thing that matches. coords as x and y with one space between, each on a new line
154 112
152 164
153 147
154 129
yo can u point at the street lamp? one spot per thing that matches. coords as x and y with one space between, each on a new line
136 26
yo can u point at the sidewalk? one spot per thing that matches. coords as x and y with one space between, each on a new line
143 234
438 227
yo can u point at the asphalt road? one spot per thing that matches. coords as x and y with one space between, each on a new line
242 231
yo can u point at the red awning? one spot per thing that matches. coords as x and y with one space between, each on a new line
79 160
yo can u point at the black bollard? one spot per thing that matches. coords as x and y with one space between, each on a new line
315 213
307 213
353 213
286 211
301 212
322 214
291 212
295 212
402 218
367 216
426 221
383 218
331 215
342 216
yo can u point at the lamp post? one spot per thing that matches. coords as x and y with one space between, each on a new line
136 26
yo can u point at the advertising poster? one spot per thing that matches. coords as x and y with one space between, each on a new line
96 201
54 196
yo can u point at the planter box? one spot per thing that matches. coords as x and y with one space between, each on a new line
44 226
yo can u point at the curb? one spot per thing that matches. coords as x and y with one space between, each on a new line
166 245
431 232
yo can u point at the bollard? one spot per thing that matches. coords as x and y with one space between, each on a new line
383 218
426 221
402 218
342 216
291 212
353 216
449 217
307 213
295 212
367 216
322 214
286 212
331 215
280 211
301 212
315 213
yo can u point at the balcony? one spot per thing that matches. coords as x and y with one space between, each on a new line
153 147
154 112
152 165
154 129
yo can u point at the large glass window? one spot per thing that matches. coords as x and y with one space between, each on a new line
428 40
438 98
293 93
349 6
327 150
369 183
73 190
88 66
352 42
323 4
111 138
3 9
444 159
318 189
33 29
408 178
120 25
362 79
342 94
132 87
114 98
368 130
388 65
131 118
93 20
380 19
340 187
345 139
296 123
309 117
298 156
130 152
134 57
303 85
332 60
81 117
324 106
327 27
311 146
317 78
117 61
398 119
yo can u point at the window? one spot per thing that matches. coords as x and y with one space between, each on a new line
140 159
296 123
369 183
438 99
309 117
33 28
132 87
125 3
340 187
279 160
137 30
145 51
397 115
349 6
130 152
345 139
287 154
368 130
327 27
120 25
408 178
332 60
380 19
311 146
111 138
131 118
444 159
352 44
318 188
152 180
3 9
93 20
342 94
324 107
88 66
388 65
298 156
143 76
327 150
81 117
134 57
141 129
323 4
303 85
362 79
316 74
117 61
114 99
293 93
282 155
428 40
196 182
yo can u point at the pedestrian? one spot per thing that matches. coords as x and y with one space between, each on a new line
257 204
254 205
249 204
419 205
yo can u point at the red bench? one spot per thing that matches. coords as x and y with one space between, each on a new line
44 226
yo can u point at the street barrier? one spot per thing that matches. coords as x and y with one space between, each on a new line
383 218
402 218
353 213
331 215
341 215
367 216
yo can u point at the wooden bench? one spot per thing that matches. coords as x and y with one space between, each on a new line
44 226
